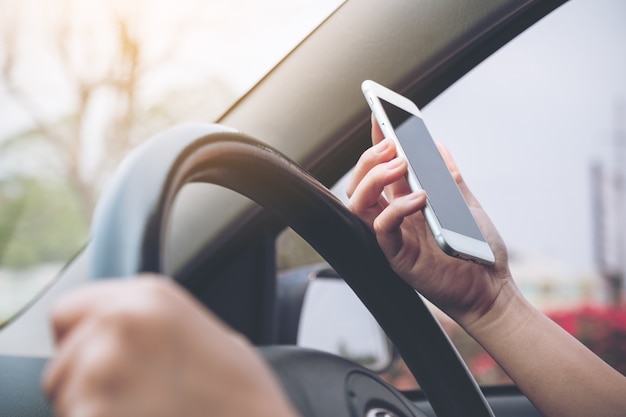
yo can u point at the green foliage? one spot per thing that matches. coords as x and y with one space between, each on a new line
40 221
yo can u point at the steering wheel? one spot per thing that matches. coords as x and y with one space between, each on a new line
128 234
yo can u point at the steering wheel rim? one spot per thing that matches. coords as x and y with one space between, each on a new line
128 236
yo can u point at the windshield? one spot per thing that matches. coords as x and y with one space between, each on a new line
81 82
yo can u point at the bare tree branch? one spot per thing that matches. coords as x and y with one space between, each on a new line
111 73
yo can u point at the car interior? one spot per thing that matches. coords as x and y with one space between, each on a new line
213 204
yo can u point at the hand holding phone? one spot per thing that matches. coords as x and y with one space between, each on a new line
447 213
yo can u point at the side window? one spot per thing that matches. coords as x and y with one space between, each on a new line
539 132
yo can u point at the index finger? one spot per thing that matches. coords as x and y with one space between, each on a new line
373 156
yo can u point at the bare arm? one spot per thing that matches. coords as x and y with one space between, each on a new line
557 373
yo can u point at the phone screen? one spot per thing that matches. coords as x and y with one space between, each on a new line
432 173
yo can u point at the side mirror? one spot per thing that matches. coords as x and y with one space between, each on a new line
332 319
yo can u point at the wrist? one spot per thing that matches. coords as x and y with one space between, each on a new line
508 311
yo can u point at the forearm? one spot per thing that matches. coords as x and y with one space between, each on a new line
555 371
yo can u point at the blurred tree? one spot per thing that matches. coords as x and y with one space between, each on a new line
99 54
74 48
78 70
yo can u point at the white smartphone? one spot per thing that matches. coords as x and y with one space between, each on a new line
446 212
